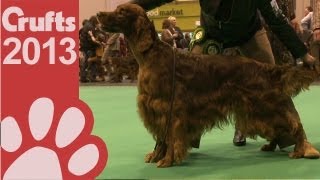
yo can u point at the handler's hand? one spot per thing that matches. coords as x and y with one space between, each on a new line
308 60
316 35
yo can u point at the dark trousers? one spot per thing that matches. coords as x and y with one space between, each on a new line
84 65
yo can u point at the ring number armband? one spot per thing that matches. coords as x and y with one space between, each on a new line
209 46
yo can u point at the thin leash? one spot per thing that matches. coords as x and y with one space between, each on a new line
173 87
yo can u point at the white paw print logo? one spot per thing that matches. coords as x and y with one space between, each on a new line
51 147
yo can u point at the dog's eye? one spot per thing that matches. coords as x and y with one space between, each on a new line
121 11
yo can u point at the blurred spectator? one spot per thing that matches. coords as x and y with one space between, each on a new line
307 19
306 24
185 41
295 24
167 35
123 46
176 30
113 46
111 52
315 47
95 68
87 46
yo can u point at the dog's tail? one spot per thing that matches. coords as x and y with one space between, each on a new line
295 79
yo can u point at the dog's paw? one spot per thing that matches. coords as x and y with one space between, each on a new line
163 163
153 157
179 153
149 157
178 157
296 155
310 152
52 149
268 147
157 154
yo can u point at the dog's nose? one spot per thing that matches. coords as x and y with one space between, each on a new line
98 14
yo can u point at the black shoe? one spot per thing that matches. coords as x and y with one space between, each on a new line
239 139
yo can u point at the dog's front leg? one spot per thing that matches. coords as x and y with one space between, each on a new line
157 154
178 141
167 161
162 155
175 148
271 146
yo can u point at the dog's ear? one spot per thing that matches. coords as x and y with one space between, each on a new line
153 29
145 30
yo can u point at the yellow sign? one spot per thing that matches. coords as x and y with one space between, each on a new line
172 12
187 14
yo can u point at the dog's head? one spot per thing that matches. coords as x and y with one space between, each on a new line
131 20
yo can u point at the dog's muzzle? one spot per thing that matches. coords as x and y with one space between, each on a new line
99 14
106 22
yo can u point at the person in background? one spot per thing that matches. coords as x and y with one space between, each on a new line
167 35
315 47
306 24
229 23
95 68
87 45
295 24
123 46
112 51
185 41
306 21
176 30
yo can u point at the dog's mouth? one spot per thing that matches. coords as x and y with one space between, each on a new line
106 28
111 28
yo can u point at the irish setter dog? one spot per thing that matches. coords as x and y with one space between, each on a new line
182 95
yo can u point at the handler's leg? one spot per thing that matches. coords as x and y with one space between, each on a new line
259 49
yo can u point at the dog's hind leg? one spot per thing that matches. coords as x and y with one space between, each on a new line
302 147
271 146
299 149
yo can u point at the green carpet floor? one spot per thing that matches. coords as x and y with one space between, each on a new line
118 124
